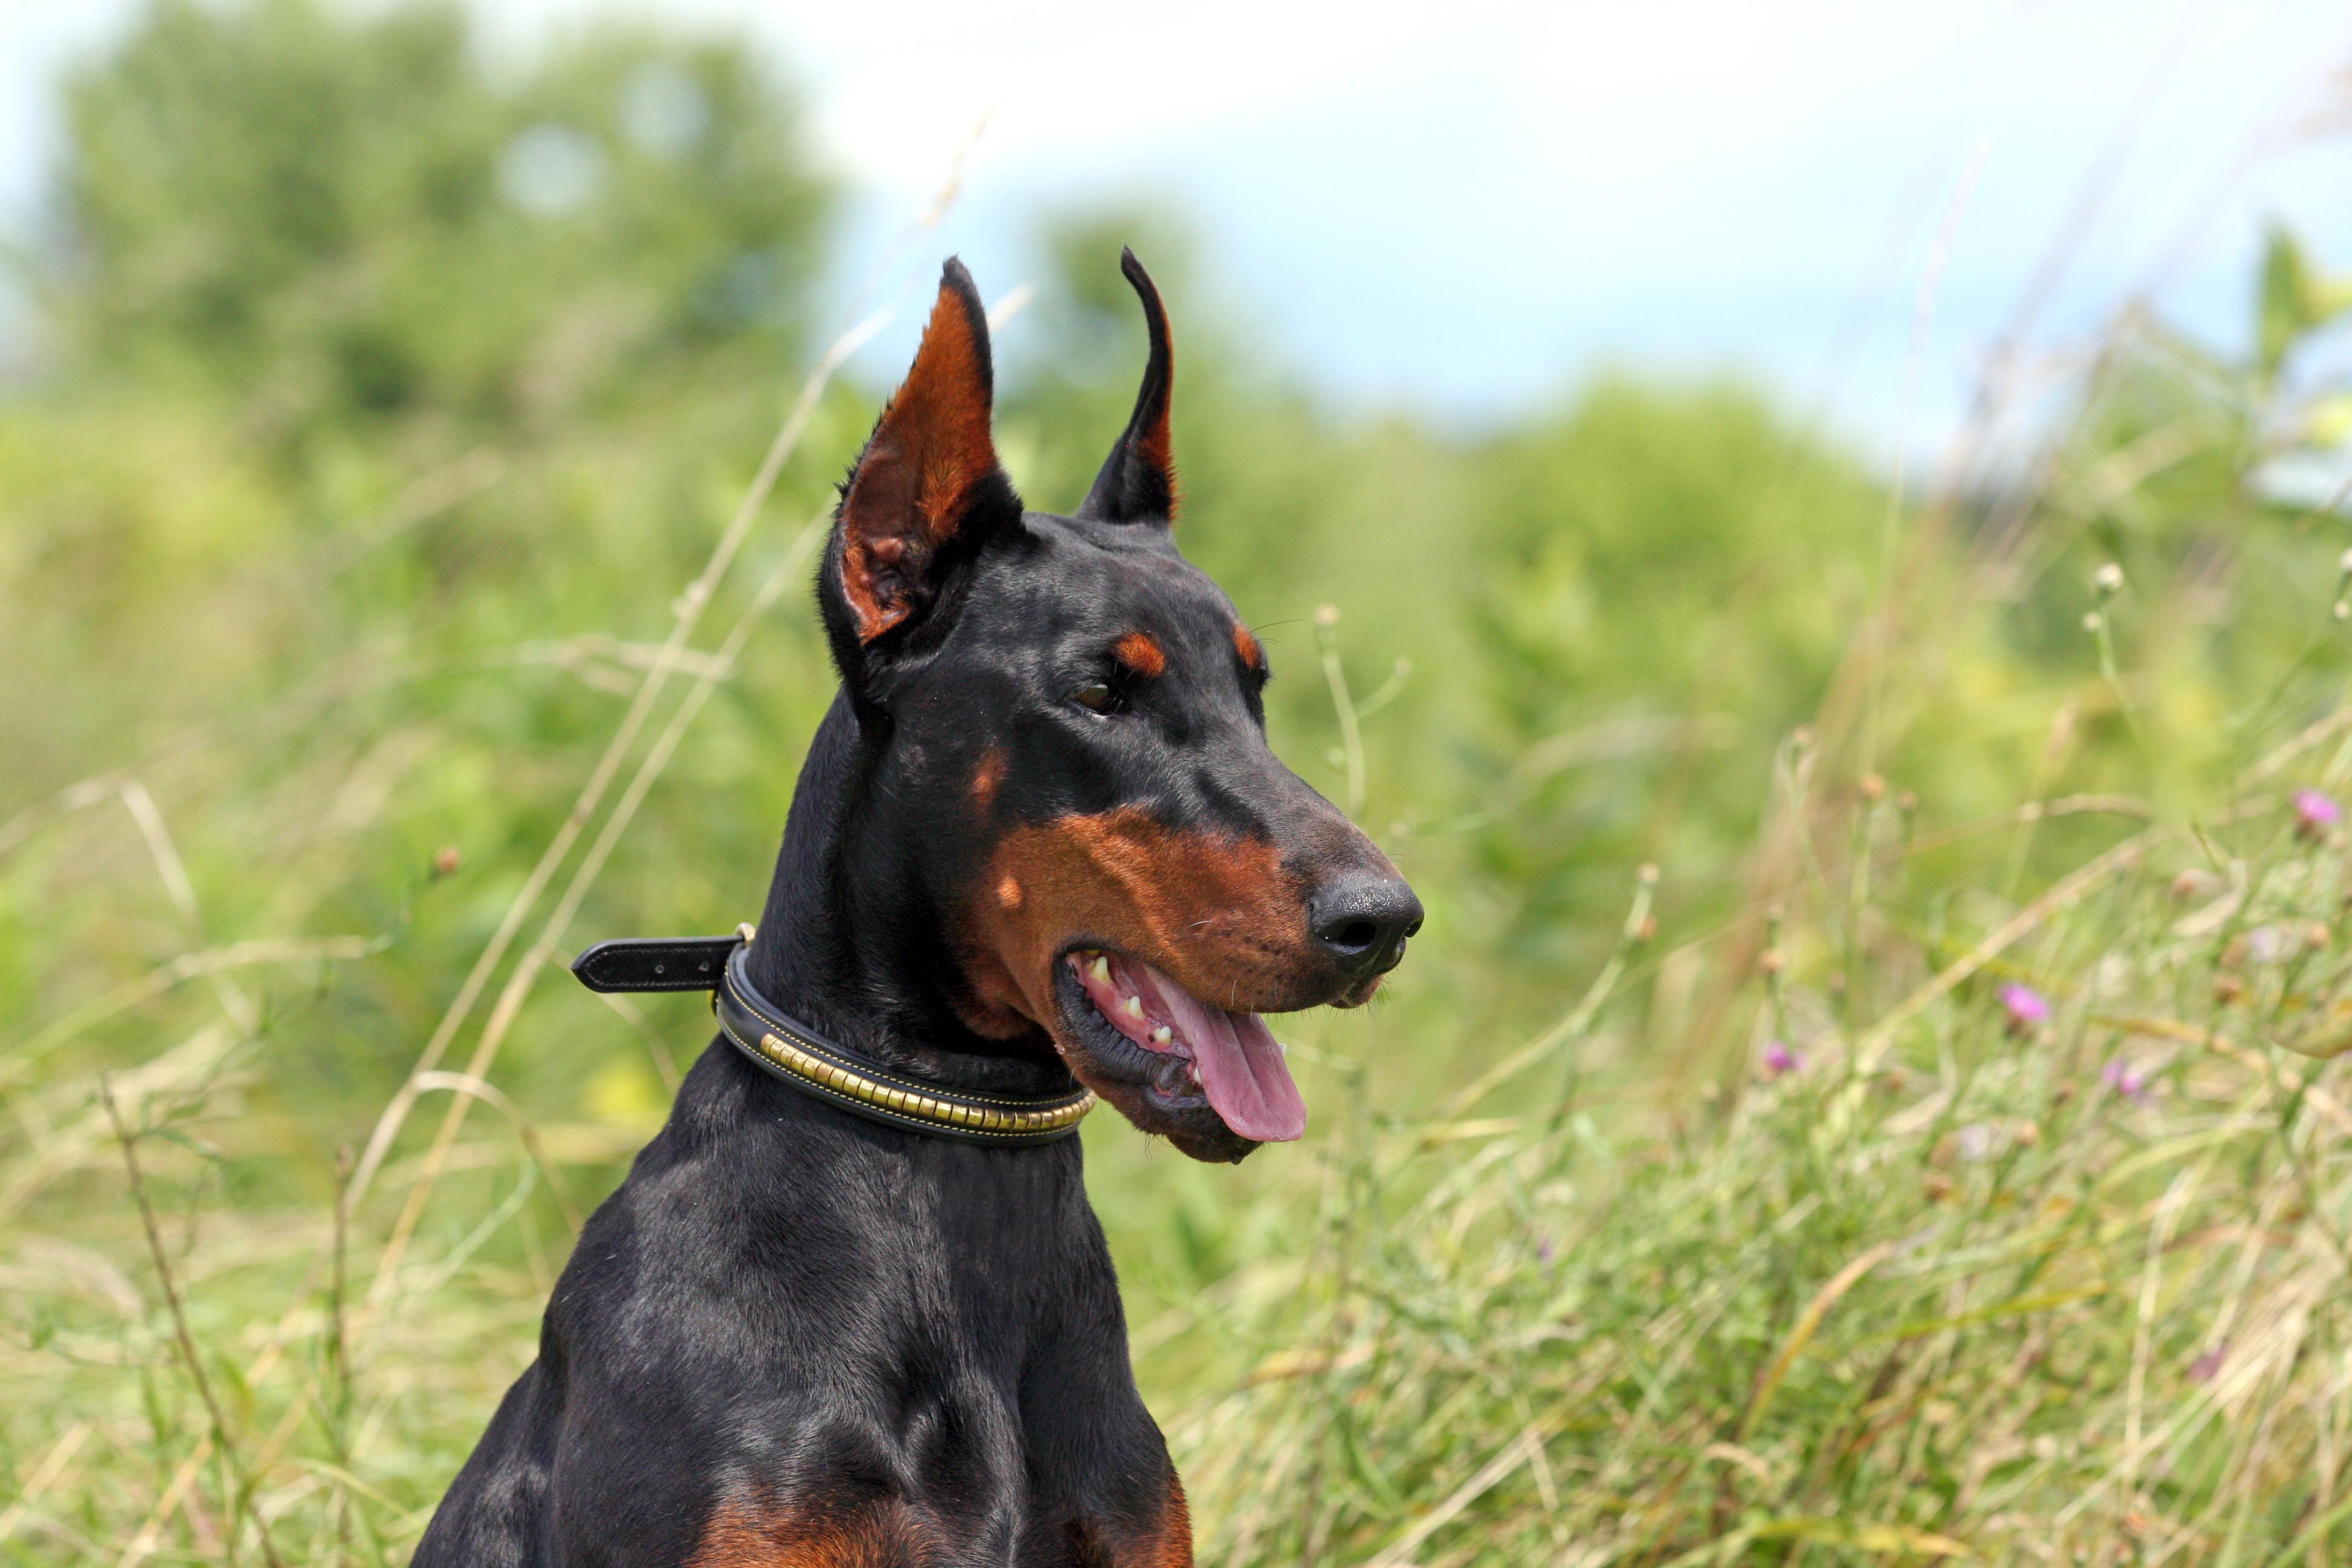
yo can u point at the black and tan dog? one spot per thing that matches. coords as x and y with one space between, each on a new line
851 1308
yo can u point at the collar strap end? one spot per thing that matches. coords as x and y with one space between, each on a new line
661 963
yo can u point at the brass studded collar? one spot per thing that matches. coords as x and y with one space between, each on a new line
815 1066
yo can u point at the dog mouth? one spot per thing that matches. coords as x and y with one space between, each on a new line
1194 1059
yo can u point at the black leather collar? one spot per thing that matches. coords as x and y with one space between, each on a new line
799 1056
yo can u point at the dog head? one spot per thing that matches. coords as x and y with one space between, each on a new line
1069 748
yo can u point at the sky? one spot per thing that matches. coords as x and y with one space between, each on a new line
1461 212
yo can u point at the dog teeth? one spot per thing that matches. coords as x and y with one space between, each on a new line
1162 1034
1100 970
1176 1078
1133 1007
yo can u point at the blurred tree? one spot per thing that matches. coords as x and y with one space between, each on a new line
333 214
1670 574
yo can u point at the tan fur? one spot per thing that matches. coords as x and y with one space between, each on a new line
1220 915
1247 645
1141 653
986 779
881 1535
931 448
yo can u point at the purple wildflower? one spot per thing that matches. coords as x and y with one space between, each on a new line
2027 1008
1976 1140
2204 1367
1779 1057
2315 812
2126 1080
2267 945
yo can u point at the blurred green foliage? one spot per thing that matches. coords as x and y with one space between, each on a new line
389 396
327 216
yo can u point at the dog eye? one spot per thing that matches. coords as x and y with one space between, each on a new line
1095 696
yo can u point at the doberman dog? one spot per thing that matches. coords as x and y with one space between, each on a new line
851 1308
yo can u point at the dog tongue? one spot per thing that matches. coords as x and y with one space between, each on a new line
1241 1067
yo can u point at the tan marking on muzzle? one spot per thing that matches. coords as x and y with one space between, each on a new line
1217 913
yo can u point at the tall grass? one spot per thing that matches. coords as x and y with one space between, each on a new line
1964 1281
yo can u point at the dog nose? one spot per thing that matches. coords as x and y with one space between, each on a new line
1362 920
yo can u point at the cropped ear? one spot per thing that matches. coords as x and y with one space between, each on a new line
1138 482
927 489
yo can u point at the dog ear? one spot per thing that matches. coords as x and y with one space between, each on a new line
927 489
1138 482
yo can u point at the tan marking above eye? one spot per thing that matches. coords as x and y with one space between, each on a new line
1247 645
1141 653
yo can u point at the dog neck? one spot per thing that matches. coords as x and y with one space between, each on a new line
807 958
862 959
